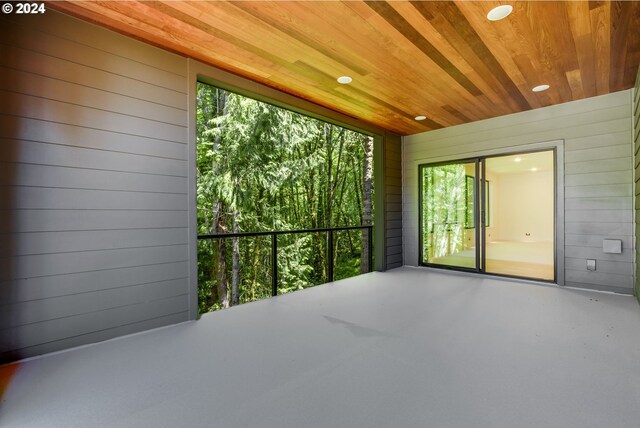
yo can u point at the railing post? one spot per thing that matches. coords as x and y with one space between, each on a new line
370 239
330 264
274 264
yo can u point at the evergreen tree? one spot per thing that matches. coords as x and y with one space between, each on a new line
263 168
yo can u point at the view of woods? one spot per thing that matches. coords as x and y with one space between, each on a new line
265 168
447 209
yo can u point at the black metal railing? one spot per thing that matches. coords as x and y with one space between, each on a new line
274 247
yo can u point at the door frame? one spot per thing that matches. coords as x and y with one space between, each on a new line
476 162
480 210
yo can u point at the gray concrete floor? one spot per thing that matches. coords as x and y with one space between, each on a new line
405 348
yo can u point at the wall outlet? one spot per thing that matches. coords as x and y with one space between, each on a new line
612 246
591 264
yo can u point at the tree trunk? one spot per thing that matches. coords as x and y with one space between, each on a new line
255 265
219 216
357 181
222 281
329 147
235 275
367 176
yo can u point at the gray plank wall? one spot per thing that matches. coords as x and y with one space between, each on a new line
393 201
598 175
636 162
93 130
94 185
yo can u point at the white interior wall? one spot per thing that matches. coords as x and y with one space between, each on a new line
491 231
525 205
494 203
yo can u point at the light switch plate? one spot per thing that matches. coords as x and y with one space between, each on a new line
612 246
591 264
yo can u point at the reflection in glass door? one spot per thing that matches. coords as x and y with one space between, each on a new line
448 225
494 214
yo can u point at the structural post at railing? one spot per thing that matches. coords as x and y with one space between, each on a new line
330 262
274 264
370 239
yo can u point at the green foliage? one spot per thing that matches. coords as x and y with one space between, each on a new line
447 209
261 168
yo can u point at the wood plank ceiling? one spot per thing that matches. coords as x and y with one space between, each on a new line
443 60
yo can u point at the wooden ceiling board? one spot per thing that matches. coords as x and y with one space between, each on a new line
388 50
473 47
600 16
366 46
633 53
440 59
477 60
116 16
418 71
580 24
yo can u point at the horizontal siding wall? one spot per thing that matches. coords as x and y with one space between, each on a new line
93 146
636 163
596 155
393 201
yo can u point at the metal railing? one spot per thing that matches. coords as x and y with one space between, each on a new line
274 247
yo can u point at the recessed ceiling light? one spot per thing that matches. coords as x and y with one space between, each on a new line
517 159
344 80
500 12
540 88
420 117
534 169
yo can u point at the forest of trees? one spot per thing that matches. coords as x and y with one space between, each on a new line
265 168
447 209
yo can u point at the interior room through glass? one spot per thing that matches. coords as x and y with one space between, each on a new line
490 214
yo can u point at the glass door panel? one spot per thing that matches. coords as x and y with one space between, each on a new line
448 215
520 203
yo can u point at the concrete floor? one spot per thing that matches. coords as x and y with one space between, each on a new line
405 348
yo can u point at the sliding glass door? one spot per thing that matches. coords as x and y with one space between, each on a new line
493 214
520 240
448 226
